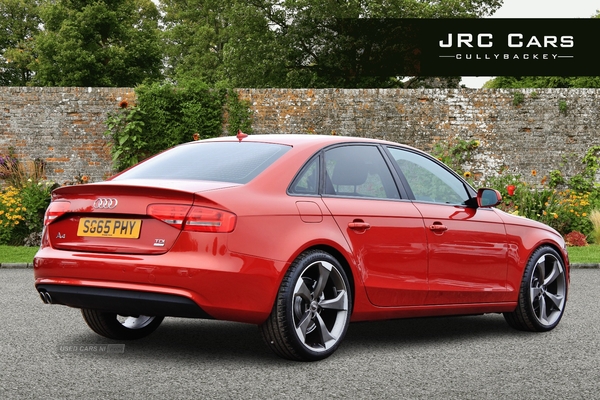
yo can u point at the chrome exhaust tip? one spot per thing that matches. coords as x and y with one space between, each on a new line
46 298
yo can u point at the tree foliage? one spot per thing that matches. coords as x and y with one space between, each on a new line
19 23
100 43
521 82
289 43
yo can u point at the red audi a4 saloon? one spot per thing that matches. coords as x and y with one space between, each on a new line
299 234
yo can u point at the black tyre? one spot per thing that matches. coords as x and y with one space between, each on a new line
543 293
114 326
312 310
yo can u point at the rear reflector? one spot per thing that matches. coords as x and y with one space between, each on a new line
55 210
196 219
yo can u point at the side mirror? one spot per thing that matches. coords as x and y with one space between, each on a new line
488 197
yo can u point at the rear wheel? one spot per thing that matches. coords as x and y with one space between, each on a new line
114 326
543 293
312 311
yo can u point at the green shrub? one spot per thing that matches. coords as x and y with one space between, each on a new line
167 115
23 201
564 204
518 98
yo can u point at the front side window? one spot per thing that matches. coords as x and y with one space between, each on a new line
358 171
428 180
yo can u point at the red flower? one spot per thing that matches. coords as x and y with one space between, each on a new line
123 104
511 189
196 136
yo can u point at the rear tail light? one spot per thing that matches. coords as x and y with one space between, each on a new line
55 210
204 219
171 214
196 219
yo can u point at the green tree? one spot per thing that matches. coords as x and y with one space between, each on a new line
99 43
521 82
290 43
19 23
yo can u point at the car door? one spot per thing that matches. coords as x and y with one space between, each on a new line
467 246
386 232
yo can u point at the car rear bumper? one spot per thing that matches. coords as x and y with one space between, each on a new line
226 286
123 302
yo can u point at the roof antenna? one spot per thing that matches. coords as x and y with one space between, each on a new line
241 135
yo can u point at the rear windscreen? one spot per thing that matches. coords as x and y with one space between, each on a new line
210 161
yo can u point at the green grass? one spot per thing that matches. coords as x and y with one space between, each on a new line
17 254
584 255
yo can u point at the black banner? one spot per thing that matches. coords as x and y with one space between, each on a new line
471 47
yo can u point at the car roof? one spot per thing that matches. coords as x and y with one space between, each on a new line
302 139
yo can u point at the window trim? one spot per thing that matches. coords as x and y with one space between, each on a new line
398 184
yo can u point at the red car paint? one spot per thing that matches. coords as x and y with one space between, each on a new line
404 257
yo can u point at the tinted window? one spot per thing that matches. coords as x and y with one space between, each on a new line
358 171
428 180
307 182
212 161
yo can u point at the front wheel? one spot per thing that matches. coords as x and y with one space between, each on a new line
543 293
114 326
312 310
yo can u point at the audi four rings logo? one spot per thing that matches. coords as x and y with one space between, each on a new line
105 203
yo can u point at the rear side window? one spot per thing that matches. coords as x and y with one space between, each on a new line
209 161
358 171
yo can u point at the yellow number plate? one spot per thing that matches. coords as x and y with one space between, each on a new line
110 227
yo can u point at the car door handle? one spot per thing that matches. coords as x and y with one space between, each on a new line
438 227
359 225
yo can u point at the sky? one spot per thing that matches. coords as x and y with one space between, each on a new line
538 9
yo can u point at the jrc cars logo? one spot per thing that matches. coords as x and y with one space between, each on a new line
507 47
538 47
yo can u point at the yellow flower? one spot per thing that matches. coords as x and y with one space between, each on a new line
467 174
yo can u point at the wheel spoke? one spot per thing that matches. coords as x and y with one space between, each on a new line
543 315
554 274
326 336
303 324
339 303
324 270
535 293
302 291
557 300
540 269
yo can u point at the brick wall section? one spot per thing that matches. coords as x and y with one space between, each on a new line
64 126
534 135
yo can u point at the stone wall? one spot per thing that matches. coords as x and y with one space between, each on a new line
64 126
536 135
